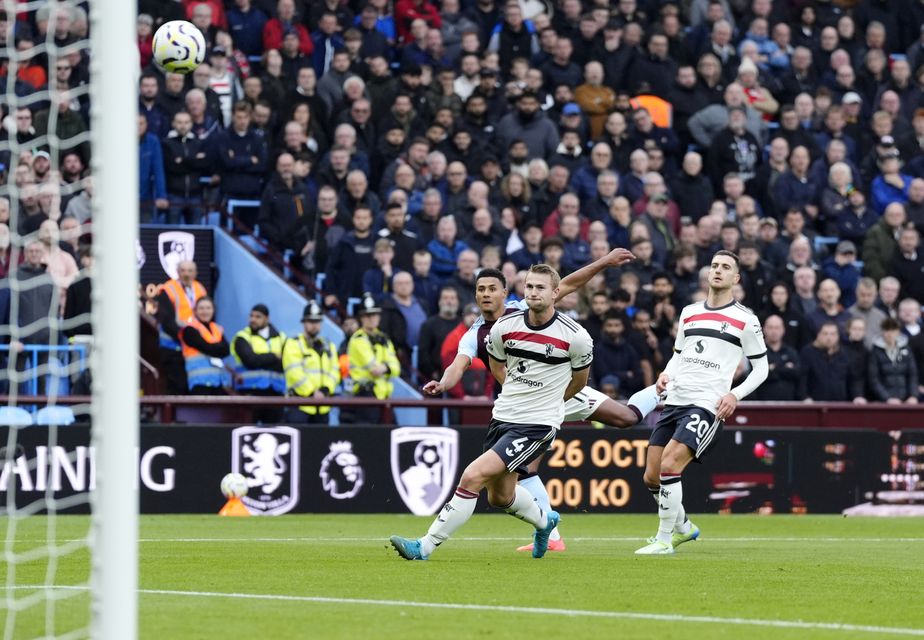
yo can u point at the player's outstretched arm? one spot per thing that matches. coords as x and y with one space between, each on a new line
450 378
576 280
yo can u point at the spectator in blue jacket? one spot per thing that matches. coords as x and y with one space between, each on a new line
153 188
584 180
577 250
842 269
326 40
246 23
793 189
242 155
445 248
891 185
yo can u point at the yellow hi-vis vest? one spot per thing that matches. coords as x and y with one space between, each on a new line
259 379
308 369
365 351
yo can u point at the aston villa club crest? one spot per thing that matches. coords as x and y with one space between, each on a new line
268 458
423 465
174 247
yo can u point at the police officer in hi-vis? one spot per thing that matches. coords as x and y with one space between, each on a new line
312 369
257 351
373 361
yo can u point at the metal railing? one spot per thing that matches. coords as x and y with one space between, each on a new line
45 369
238 410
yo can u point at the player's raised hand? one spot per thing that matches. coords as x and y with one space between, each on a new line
434 388
618 257
726 406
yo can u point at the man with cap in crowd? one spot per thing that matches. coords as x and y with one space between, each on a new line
373 361
257 351
842 269
312 368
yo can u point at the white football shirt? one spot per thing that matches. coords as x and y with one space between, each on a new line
539 362
709 345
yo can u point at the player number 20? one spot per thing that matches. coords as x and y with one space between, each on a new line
697 425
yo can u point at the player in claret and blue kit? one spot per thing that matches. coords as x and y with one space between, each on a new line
711 338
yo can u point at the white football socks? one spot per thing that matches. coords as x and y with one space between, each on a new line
682 524
453 515
525 507
669 505
536 487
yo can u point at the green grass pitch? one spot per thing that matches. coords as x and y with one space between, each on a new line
315 576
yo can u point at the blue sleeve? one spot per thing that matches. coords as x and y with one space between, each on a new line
468 345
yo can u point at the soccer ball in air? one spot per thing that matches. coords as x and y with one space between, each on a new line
178 47
234 485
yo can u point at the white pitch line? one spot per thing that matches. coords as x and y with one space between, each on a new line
514 539
548 611
384 538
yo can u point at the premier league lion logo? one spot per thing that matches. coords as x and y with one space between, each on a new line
341 474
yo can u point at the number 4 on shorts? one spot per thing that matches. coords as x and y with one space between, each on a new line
517 446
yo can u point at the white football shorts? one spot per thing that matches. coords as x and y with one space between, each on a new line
583 404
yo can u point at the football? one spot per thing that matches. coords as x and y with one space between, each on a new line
234 485
178 47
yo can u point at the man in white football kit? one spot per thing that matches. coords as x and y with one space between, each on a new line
587 404
711 338
540 357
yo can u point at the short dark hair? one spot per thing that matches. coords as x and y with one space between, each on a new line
730 254
491 273
613 314
748 244
662 275
890 324
621 295
553 241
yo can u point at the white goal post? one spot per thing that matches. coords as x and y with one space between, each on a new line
114 72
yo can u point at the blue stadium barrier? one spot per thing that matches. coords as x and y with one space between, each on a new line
237 265
63 361
15 417
236 203
55 416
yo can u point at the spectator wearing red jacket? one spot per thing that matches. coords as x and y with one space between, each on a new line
477 381
406 11
568 205
274 30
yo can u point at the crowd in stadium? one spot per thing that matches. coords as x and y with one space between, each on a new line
399 147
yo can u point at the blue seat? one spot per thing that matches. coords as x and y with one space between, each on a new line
15 417
55 416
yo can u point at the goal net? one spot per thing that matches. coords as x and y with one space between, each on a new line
68 318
